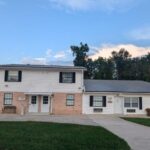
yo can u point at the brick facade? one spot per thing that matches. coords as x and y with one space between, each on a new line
59 104
21 105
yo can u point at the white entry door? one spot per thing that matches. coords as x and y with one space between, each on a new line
45 104
33 104
118 105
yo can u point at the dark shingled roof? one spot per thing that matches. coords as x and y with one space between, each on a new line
117 86
29 66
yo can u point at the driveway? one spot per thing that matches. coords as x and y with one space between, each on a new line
137 136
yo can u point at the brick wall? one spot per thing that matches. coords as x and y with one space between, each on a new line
59 104
21 105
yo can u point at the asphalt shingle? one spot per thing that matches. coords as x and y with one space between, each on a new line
117 86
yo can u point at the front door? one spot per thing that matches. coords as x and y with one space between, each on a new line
118 105
45 104
33 104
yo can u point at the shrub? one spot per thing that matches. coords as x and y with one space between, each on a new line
148 111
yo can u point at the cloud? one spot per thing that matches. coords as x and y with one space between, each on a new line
50 57
108 5
140 33
37 61
106 49
48 53
60 55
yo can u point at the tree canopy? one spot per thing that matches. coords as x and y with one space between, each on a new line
119 66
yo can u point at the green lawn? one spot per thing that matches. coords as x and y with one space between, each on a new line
54 136
143 121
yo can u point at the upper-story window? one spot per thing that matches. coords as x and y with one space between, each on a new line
67 77
13 76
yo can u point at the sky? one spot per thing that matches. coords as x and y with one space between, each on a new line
42 31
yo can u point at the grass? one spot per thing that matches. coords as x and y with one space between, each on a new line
142 121
55 136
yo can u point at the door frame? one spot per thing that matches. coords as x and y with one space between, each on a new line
49 103
37 103
116 103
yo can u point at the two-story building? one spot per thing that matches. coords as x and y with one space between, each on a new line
41 89
46 89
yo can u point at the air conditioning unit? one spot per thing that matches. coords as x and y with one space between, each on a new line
97 110
131 110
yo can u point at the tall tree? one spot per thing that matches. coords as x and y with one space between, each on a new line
80 53
120 59
81 59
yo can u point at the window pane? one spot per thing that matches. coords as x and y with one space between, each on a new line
127 102
67 77
98 101
45 99
135 101
33 100
70 100
131 102
8 95
70 96
98 98
127 105
13 76
8 98
97 104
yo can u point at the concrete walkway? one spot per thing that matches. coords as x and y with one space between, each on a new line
137 136
73 119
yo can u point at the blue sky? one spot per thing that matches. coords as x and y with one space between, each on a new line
42 31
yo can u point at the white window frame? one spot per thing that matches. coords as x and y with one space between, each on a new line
8 100
131 102
70 100
97 101
13 76
67 77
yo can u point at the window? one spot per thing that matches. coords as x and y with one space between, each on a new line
13 76
8 97
45 99
131 102
97 101
70 100
33 99
67 77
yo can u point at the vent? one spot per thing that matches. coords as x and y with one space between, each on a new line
131 110
96 110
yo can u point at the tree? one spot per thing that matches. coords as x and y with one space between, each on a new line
81 59
103 68
80 53
119 66
120 59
